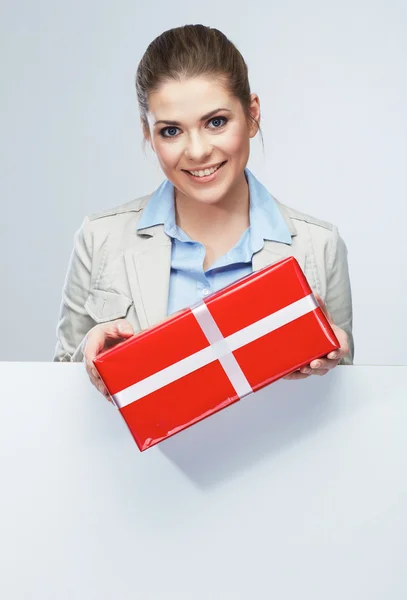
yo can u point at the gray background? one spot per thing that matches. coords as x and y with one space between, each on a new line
332 83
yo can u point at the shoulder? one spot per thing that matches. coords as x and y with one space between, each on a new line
314 235
129 209
299 220
116 224
319 237
113 222
309 229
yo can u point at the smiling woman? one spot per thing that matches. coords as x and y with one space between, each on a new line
208 224
203 151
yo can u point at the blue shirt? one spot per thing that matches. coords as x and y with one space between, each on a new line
189 283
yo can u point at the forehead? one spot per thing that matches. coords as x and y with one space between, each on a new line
189 97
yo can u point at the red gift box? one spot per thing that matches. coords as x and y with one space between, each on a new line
209 356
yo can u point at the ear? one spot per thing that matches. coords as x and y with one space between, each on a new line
254 110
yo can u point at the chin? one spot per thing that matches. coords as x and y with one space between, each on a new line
209 196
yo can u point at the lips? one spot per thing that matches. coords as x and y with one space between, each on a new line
218 165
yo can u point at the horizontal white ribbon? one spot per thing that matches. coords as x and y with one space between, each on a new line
218 350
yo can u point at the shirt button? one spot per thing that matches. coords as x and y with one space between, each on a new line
205 292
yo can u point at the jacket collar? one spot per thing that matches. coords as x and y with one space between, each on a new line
148 264
267 220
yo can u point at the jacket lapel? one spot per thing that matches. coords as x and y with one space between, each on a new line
148 266
274 251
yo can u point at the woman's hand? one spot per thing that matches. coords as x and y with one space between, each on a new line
101 337
321 366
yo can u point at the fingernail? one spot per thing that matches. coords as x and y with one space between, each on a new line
333 355
124 328
95 373
305 370
316 364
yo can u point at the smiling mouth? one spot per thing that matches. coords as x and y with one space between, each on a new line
203 171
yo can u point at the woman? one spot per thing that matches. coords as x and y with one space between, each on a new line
209 223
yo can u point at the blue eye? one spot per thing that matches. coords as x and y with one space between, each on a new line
168 130
219 119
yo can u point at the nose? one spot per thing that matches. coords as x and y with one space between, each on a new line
198 147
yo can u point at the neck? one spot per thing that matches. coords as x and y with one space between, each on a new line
202 221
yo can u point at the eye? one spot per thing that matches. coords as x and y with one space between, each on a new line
170 132
219 119
168 129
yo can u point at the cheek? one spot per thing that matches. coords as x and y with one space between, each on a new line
236 141
167 153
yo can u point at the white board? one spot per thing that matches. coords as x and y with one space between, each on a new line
299 491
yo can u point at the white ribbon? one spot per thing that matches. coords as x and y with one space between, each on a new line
229 363
220 349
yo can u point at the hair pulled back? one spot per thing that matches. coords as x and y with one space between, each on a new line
192 51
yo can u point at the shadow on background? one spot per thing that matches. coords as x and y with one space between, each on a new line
234 439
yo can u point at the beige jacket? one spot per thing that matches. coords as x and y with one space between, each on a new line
116 272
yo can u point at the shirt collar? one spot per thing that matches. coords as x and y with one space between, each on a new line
160 208
266 220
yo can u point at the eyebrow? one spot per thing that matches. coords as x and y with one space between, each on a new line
203 118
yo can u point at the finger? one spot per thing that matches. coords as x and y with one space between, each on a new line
96 381
97 337
296 375
320 372
95 378
337 355
100 386
93 375
121 328
91 370
343 340
103 390
95 341
323 363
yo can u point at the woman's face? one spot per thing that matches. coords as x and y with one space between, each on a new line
195 124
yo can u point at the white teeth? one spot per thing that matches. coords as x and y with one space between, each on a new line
204 173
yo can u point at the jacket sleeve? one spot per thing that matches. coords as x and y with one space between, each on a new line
74 322
338 293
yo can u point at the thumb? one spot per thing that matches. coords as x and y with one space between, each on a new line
98 338
122 328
